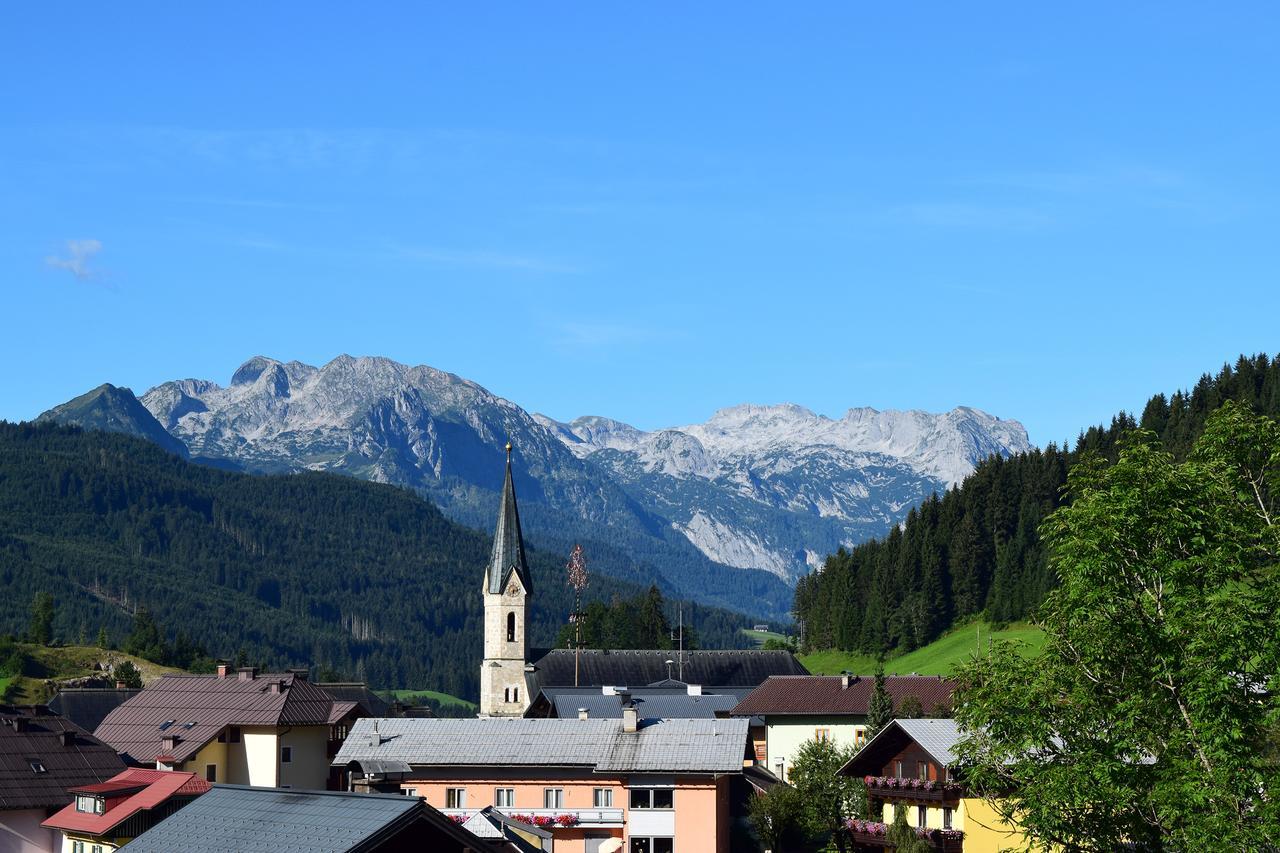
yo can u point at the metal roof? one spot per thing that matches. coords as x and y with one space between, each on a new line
195 708
688 746
937 737
148 789
508 544
38 762
87 707
648 705
270 820
637 667
826 694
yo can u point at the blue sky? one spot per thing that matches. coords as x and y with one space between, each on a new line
646 211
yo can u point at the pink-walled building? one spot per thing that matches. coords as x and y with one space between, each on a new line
656 786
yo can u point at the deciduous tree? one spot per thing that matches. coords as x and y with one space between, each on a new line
1145 719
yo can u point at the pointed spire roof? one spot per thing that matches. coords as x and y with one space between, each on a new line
508 545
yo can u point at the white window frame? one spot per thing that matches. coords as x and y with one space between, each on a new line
507 794
455 798
553 798
598 794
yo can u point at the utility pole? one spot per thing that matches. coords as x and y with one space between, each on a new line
577 579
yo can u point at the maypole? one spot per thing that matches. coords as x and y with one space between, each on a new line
577 578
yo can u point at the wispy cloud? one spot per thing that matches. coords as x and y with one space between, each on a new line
483 258
77 257
604 334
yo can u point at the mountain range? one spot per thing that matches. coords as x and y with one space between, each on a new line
728 512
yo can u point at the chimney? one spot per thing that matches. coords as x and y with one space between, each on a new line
630 718
67 737
247 673
375 739
168 742
694 689
300 673
582 713
120 685
276 686
844 681
223 668
19 724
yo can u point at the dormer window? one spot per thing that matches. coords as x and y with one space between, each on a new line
89 805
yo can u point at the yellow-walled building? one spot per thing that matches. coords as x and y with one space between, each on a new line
273 730
908 767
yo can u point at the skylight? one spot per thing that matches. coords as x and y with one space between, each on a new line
36 766
166 724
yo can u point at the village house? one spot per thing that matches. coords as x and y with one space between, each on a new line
909 766
656 787
796 709
275 730
106 815
239 818
41 756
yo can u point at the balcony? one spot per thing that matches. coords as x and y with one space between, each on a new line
554 818
893 789
867 834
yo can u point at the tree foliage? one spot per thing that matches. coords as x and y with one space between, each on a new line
40 629
1147 716
903 837
297 570
128 674
829 798
977 549
778 818
880 708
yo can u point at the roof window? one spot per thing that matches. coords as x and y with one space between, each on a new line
36 765
166 724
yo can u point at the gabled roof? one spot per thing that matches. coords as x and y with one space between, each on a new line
195 708
638 667
38 762
937 737
356 691
666 746
826 694
508 545
87 707
271 820
127 793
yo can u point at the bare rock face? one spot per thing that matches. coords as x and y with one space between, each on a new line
767 488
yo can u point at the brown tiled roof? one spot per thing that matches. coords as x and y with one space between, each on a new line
826 694
198 707
38 762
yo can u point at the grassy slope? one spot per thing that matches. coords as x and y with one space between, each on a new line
442 698
760 636
64 663
937 658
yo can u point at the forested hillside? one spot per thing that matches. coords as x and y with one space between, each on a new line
976 549
308 569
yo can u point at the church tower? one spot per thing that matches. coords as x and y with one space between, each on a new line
507 587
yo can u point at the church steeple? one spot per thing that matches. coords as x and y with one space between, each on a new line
507 586
508 545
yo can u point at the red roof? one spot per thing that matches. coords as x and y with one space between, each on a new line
151 788
194 709
826 694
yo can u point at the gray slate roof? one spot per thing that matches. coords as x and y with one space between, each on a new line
269 820
666 746
712 668
508 545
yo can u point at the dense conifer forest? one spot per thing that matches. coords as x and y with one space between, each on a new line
360 579
976 549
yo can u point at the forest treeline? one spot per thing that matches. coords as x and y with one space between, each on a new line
976 550
357 578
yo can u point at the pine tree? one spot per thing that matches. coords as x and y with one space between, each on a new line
880 708
41 628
